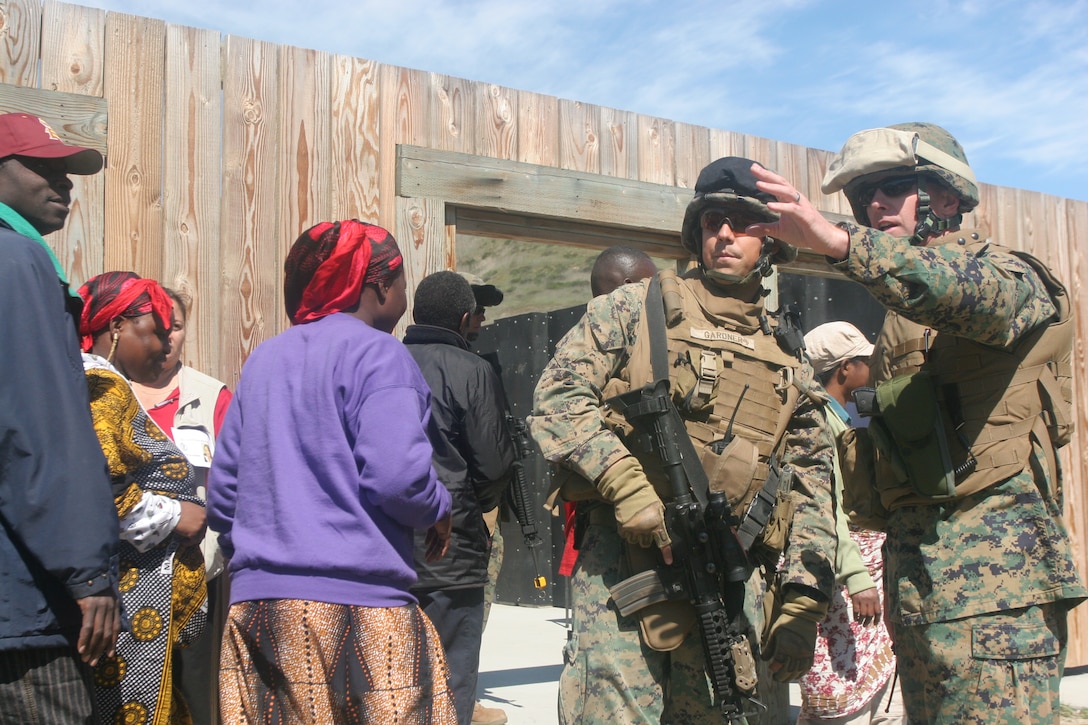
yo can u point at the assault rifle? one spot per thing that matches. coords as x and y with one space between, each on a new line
709 565
519 493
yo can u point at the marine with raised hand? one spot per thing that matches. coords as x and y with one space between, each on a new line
972 400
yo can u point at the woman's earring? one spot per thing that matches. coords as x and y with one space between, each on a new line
113 347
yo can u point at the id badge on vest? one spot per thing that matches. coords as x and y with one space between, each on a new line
197 445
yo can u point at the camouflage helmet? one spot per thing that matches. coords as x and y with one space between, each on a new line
925 149
728 183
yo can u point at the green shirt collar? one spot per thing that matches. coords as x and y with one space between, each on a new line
16 221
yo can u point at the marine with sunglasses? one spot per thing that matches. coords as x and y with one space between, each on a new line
972 398
750 406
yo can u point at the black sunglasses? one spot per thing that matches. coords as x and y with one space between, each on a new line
892 187
713 219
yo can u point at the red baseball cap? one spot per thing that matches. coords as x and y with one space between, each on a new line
22 134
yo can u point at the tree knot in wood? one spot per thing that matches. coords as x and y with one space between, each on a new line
252 111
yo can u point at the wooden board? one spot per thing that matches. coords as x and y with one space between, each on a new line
192 188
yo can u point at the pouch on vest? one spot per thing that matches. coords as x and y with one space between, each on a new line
769 545
732 470
910 415
695 384
857 463
1055 391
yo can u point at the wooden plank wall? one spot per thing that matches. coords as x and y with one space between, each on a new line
222 149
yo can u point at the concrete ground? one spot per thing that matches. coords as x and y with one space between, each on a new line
523 653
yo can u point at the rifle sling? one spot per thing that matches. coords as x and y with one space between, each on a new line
659 363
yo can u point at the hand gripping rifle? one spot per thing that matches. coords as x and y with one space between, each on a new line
709 565
519 493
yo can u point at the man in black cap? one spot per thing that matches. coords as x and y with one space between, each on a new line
487 295
59 533
749 404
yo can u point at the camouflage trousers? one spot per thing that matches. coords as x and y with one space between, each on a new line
1002 668
494 565
609 676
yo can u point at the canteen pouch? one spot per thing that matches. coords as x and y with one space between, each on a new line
665 624
911 418
858 465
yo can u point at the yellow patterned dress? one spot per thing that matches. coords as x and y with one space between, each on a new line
163 592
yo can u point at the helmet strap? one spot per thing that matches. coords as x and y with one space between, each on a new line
929 224
764 267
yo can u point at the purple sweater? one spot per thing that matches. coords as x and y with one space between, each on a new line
323 468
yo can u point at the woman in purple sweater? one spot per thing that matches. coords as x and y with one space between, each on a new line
322 471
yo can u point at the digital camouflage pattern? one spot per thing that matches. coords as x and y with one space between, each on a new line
941 139
608 671
494 566
609 677
994 298
992 669
988 554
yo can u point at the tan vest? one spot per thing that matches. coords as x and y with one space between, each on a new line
196 412
997 397
733 370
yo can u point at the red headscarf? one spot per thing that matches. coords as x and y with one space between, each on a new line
119 294
329 263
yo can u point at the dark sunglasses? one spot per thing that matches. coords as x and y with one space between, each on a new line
713 219
892 187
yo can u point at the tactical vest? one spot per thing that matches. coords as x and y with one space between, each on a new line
995 400
728 373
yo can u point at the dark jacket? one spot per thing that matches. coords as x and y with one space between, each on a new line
473 453
59 533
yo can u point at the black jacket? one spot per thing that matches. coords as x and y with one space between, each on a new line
59 532
473 453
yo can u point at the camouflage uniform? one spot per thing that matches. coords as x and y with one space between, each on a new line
610 675
978 585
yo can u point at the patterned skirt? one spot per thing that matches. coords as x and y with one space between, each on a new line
298 661
852 663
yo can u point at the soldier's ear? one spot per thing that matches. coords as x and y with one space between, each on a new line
466 322
944 202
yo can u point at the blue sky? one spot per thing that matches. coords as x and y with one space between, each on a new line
1008 79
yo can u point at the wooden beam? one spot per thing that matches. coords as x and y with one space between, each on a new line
527 228
76 118
519 188
513 200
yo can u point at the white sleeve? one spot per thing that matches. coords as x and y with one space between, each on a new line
150 521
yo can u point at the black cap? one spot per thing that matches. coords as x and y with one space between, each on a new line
487 295
730 175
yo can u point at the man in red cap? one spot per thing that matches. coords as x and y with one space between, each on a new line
58 604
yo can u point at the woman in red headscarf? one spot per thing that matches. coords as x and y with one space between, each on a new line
124 329
322 472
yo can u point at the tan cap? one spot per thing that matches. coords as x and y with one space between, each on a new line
833 343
